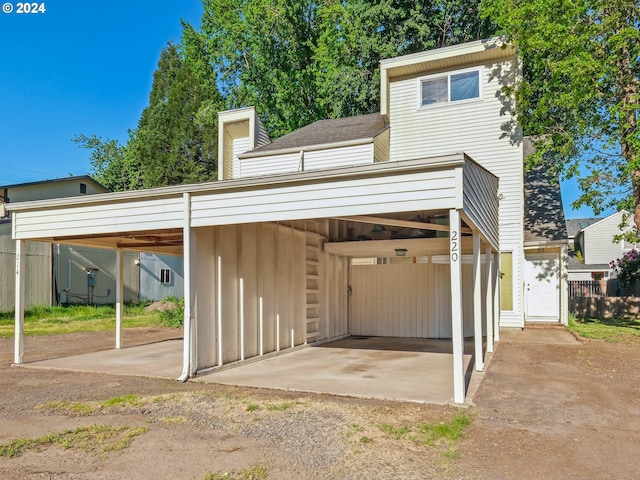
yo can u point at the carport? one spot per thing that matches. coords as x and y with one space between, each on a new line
268 260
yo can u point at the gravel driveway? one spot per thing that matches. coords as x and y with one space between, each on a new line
542 411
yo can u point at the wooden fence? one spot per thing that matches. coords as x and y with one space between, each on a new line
603 307
587 288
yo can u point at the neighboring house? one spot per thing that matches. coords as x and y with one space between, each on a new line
594 241
298 242
59 273
161 276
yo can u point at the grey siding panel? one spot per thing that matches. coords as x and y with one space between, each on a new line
481 200
599 246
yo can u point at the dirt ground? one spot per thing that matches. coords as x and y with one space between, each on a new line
542 411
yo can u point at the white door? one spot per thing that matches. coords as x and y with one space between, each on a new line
542 287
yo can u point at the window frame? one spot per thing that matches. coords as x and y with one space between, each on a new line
165 276
479 69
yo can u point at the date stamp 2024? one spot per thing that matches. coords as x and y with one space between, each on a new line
24 7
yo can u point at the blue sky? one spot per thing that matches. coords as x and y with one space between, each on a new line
86 67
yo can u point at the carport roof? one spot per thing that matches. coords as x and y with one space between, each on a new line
153 220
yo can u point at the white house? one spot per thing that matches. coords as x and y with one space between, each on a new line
405 223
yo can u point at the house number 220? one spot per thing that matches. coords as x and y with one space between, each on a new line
454 246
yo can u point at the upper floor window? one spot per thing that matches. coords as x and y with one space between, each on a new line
450 87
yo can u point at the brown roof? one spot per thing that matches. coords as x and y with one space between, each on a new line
323 132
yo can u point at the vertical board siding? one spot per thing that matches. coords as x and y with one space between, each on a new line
262 137
37 271
411 300
268 259
476 128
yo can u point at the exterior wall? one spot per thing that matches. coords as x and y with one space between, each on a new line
338 157
58 189
238 146
37 270
410 300
579 275
381 147
244 273
96 218
477 128
597 242
271 165
150 286
71 277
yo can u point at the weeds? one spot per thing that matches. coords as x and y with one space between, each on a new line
257 472
103 438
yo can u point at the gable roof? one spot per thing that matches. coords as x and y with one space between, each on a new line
77 178
325 132
543 212
575 225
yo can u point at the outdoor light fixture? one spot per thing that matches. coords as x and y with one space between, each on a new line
401 252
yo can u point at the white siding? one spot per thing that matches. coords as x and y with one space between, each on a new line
599 246
407 300
257 262
338 157
271 165
150 286
477 129
95 218
239 145
393 193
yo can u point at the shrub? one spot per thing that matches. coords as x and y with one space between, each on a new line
173 317
627 268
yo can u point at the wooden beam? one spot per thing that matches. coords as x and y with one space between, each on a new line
137 234
393 222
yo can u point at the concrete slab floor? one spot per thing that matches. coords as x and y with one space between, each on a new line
400 369
161 359
551 336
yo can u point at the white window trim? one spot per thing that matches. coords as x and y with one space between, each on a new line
435 76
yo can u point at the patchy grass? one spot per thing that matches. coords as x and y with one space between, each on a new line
88 439
252 407
438 434
41 320
90 408
616 329
256 472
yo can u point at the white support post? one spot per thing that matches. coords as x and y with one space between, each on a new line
219 309
19 304
261 326
119 295
186 254
241 319
277 332
457 334
477 303
496 298
489 298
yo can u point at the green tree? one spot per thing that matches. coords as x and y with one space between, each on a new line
579 95
110 163
175 141
300 61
